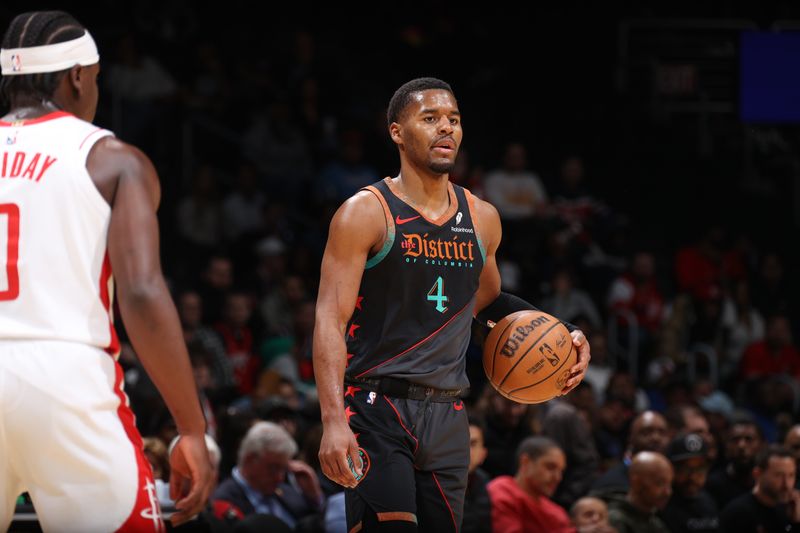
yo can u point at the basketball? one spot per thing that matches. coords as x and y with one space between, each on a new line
527 356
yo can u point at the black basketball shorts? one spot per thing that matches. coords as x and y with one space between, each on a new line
417 460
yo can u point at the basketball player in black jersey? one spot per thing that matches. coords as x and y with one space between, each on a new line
409 262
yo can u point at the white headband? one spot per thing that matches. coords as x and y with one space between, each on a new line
50 57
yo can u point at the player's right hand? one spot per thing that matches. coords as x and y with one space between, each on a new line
337 443
190 480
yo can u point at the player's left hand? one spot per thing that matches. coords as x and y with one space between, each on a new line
190 480
577 372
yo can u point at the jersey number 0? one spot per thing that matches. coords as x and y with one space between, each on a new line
9 230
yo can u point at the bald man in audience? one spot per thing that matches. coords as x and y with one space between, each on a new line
650 476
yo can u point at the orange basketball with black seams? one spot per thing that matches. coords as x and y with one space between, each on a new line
527 356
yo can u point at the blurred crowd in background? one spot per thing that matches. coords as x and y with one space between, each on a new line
635 203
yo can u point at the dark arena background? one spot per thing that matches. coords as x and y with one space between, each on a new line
661 142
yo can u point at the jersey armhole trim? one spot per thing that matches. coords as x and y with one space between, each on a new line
471 204
84 149
390 231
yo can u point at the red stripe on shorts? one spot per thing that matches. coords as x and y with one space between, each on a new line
146 513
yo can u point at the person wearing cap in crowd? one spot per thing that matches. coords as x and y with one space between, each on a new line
690 509
688 418
650 476
774 504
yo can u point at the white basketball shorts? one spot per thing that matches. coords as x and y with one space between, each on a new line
67 437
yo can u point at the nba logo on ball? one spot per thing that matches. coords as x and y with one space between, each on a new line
549 354
527 356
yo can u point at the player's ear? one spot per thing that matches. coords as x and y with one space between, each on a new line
395 132
74 78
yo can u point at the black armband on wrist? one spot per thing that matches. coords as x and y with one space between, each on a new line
504 305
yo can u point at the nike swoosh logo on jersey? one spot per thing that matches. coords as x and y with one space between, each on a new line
399 220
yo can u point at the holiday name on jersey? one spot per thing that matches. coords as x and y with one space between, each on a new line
25 166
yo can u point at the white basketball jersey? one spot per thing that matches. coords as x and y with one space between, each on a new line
55 277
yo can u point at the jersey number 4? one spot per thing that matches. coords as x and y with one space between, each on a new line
436 294
9 230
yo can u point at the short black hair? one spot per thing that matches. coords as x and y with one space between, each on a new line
37 28
402 96
535 447
773 450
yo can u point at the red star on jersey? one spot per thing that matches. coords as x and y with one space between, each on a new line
351 391
348 413
352 332
358 302
349 356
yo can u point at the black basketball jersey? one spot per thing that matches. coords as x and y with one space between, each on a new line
414 310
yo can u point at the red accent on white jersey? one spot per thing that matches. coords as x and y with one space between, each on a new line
53 239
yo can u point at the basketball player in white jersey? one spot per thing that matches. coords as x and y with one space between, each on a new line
77 205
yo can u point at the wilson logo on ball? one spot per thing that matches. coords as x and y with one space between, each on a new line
518 337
